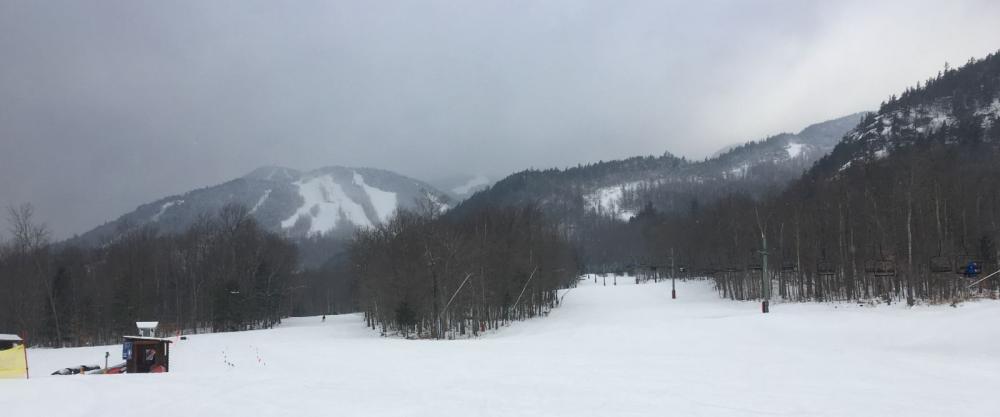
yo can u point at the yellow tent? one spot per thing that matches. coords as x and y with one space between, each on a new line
14 360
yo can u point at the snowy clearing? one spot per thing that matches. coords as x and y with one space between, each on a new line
608 200
260 201
794 150
383 202
608 351
163 209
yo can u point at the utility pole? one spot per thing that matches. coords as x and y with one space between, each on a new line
673 276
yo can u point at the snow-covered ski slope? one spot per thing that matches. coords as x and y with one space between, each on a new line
625 350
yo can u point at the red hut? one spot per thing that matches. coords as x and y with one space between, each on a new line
146 353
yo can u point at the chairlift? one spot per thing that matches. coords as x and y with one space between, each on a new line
789 266
880 268
825 269
968 266
755 263
721 265
940 264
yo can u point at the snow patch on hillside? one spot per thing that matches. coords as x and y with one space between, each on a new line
163 209
261 201
325 205
938 117
384 202
436 201
794 150
989 113
608 201
739 171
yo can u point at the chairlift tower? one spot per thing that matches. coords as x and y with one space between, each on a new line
765 279
673 276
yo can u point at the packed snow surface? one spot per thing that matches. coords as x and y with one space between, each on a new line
615 350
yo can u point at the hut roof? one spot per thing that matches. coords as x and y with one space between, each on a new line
157 339
9 337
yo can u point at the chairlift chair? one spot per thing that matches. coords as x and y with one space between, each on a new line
789 266
963 263
754 261
940 264
825 269
880 268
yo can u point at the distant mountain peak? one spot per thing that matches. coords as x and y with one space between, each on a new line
273 173
331 199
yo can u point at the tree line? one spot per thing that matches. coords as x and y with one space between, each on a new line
421 275
224 273
904 228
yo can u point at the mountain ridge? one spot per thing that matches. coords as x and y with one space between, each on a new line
620 188
331 199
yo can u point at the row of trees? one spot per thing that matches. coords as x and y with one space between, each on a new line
901 228
224 273
418 274
426 276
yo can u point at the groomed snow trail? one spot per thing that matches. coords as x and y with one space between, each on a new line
625 350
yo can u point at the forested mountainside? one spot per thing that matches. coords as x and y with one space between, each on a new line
956 107
903 205
332 200
620 188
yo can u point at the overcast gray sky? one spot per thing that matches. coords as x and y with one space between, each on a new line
105 105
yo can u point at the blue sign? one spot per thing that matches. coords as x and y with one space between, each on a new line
127 350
